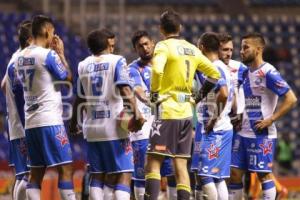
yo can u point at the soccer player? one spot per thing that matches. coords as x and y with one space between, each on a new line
104 82
236 70
216 140
15 109
253 147
174 64
48 146
140 73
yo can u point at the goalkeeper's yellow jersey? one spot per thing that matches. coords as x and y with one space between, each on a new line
174 65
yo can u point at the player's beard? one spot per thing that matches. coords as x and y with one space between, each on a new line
146 58
249 59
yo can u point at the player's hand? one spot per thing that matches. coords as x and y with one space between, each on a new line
156 100
57 45
74 129
138 124
261 124
210 125
236 122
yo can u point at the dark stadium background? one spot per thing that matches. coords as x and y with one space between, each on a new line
278 20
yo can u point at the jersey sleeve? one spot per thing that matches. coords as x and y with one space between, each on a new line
222 81
10 73
207 68
241 73
158 64
276 83
122 73
135 77
55 66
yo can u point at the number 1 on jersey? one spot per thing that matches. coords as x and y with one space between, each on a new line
187 63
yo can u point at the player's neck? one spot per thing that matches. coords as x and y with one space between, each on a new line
212 56
106 51
257 63
171 35
40 42
144 62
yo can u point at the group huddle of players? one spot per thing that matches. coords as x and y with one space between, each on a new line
234 103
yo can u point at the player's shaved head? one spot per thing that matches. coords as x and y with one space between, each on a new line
24 33
170 22
256 38
40 24
209 41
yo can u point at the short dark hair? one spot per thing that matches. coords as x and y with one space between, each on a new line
138 35
24 33
170 21
97 40
224 37
38 23
210 41
257 36
110 35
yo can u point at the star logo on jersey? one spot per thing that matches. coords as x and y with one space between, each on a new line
62 137
233 70
266 147
23 147
260 73
155 128
213 152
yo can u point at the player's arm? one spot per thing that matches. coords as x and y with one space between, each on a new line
158 64
123 82
59 67
221 99
3 84
206 67
137 85
275 83
288 103
76 112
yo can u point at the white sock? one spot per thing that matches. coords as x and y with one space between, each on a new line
171 193
21 190
222 190
210 191
235 191
96 190
108 192
269 190
15 189
66 190
139 193
33 192
122 192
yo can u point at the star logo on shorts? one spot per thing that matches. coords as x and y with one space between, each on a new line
266 147
213 152
62 137
155 128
